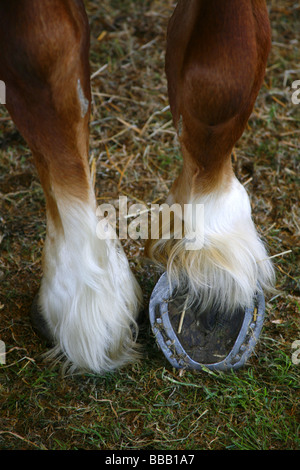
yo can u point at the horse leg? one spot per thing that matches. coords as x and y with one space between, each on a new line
88 298
215 64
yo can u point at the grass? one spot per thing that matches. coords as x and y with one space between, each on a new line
146 407
133 145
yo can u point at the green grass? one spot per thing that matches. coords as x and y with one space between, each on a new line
151 407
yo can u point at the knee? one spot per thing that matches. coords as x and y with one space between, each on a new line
214 96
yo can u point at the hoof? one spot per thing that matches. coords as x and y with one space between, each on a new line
39 323
208 340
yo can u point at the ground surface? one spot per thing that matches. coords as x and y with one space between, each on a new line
134 148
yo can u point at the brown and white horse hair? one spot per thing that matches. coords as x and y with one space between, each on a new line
215 64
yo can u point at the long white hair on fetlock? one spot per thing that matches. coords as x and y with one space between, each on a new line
89 296
231 259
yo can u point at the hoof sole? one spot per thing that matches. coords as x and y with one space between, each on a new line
208 340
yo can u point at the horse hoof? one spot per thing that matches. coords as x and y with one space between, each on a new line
39 323
208 340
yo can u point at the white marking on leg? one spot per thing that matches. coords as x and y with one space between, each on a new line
225 270
84 102
89 296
